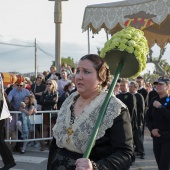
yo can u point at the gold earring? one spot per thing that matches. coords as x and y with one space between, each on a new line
99 87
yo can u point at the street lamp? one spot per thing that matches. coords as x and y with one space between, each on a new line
58 21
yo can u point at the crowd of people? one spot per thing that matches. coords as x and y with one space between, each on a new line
78 94
149 106
47 92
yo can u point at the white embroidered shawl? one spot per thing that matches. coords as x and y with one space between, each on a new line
84 124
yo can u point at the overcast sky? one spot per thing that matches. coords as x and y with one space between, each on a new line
22 21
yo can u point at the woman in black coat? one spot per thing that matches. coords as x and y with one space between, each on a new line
48 101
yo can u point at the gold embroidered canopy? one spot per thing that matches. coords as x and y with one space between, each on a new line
151 16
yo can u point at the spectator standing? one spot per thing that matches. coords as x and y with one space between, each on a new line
73 81
74 70
23 124
53 75
66 67
67 91
8 89
63 81
48 100
37 88
158 123
15 97
45 73
28 83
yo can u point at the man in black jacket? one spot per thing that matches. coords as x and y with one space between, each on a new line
142 90
144 93
158 123
4 150
139 121
130 101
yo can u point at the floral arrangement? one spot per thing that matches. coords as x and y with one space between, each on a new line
131 40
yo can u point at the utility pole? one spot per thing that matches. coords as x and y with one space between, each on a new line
35 45
58 21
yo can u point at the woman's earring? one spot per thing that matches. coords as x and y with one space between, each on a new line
99 87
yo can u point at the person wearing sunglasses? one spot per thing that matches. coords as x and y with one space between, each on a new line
48 100
15 97
37 88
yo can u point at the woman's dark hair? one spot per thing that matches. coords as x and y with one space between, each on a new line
101 67
31 100
67 86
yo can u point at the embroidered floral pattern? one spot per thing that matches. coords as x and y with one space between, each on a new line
84 124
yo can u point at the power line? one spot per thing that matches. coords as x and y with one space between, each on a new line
44 51
12 51
16 44
38 47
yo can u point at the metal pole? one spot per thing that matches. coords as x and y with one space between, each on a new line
88 37
107 36
57 21
35 58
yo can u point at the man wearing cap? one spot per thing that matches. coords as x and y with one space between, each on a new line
158 123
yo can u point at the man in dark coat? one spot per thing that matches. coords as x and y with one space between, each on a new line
158 123
144 93
137 131
130 101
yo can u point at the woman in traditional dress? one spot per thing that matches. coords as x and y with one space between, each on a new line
113 146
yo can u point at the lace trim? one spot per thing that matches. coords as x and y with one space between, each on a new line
84 124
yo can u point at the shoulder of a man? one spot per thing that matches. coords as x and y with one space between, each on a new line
14 90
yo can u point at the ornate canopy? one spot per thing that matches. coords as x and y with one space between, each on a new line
151 16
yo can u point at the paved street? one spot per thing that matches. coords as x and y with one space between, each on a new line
34 159
149 162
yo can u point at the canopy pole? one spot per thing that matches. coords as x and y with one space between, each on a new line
107 36
88 37
102 112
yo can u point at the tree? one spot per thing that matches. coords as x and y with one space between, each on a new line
158 62
68 60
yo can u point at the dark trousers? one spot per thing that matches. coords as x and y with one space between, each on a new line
161 148
4 150
138 141
19 144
